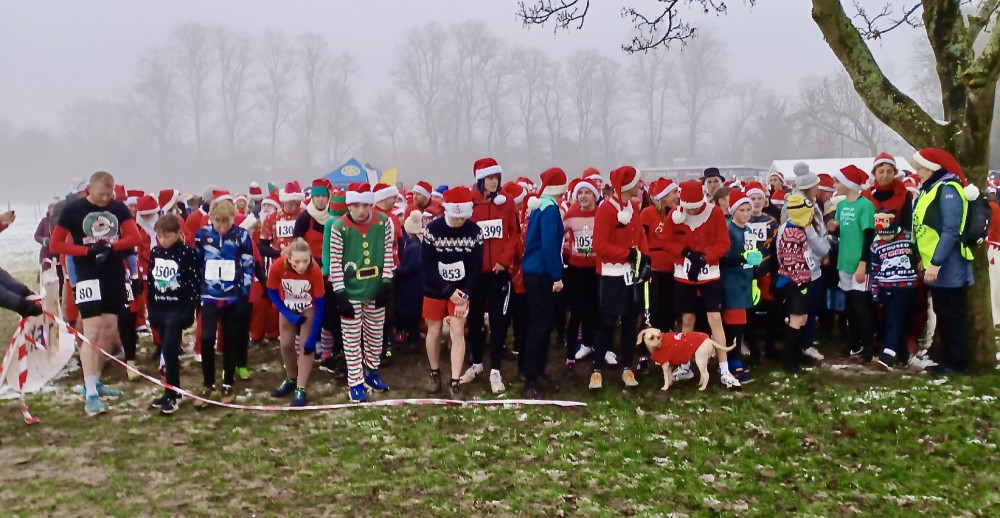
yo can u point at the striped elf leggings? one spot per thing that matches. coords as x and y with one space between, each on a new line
369 322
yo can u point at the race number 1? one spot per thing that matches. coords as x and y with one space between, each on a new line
220 270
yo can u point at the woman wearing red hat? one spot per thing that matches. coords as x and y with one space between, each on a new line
938 220
619 243
581 271
665 196
889 193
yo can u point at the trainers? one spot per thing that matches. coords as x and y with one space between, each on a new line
883 362
455 389
227 395
131 374
643 365
610 359
94 406
814 353
243 373
496 383
596 381
531 391
629 378
105 393
375 382
335 367
743 376
197 358
851 351
158 402
169 406
921 360
583 352
683 372
471 373
299 399
286 388
730 382
358 393
434 385
206 393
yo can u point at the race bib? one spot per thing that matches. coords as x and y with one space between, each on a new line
220 270
810 261
629 276
583 242
452 272
87 291
283 229
705 274
492 229
753 234
164 273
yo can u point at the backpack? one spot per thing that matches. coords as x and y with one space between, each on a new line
977 221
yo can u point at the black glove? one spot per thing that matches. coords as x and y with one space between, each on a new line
645 268
382 297
100 252
633 254
137 287
698 262
27 308
686 253
344 306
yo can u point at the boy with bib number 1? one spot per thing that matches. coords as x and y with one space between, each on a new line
452 259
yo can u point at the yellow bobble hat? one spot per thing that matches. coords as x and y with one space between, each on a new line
800 210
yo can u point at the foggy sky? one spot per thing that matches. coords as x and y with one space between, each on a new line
54 52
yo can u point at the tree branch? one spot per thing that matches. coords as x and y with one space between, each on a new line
869 27
888 103
988 62
979 21
565 12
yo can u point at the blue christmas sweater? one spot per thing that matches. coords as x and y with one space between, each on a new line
227 263
894 263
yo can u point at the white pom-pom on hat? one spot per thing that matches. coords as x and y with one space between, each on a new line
534 202
678 216
500 199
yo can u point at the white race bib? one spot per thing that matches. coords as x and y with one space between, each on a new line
87 291
583 242
629 276
283 229
164 271
220 270
753 234
810 262
492 229
452 272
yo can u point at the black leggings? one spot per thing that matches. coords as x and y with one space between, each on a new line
126 329
171 323
860 323
492 293
234 324
605 339
661 302
581 293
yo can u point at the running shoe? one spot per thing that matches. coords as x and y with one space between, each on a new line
206 393
814 353
243 373
629 378
375 382
583 352
299 399
95 406
169 406
596 381
496 383
610 359
358 393
227 395
470 374
683 372
286 388
730 382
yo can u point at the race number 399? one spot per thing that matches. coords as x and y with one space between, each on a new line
87 291
492 229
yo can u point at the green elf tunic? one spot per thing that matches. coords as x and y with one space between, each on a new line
359 255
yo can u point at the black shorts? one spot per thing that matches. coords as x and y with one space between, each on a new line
692 298
796 299
104 295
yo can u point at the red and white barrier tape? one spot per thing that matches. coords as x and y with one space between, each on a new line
272 408
19 342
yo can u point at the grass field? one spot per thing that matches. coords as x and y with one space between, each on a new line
818 444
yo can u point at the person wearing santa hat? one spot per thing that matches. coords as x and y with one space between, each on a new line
620 246
263 314
777 202
826 189
497 217
518 297
697 236
581 272
760 235
594 176
543 271
775 182
197 218
736 270
408 283
993 248
855 224
421 193
452 260
278 229
385 204
889 193
665 195
256 195
361 268
938 219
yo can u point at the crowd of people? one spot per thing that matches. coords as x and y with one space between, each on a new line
344 277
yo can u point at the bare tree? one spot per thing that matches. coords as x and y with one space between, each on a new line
389 119
474 52
582 69
652 91
341 125
534 74
699 84
419 71
831 109
553 101
315 67
234 53
154 97
608 93
774 131
277 59
193 54
747 98
498 83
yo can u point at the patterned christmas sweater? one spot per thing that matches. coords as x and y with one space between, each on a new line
894 263
794 255
452 258
173 276
361 258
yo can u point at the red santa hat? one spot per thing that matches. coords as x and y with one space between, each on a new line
692 197
272 200
912 183
146 206
383 191
241 196
527 184
586 185
593 175
515 191
991 186
458 202
883 158
623 179
776 174
320 187
120 193
221 196
553 184
755 187
936 159
255 191
778 198
737 198
292 192
360 192
166 199
660 188
423 188
485 167
826 182
852 177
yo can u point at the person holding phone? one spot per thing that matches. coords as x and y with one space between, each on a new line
451 257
